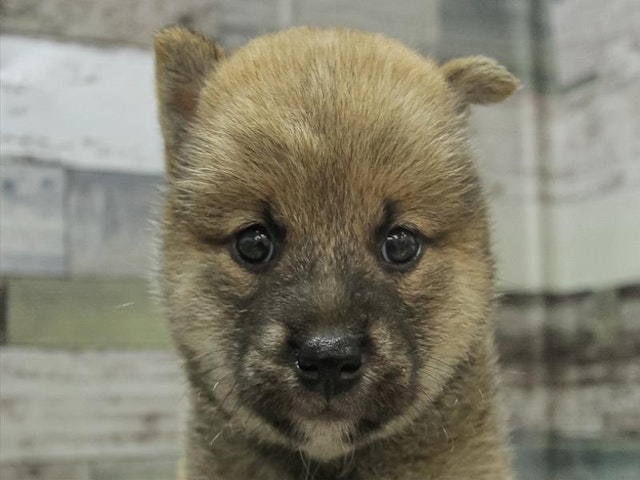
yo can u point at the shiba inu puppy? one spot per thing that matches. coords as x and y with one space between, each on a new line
325 263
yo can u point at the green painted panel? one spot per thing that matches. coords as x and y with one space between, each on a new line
148 469
84 313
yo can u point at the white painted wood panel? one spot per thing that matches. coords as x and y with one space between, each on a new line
119 21
590 38
61 405
563 175
415 22
100 406
561 169
32 220
79 106
238 21
110 223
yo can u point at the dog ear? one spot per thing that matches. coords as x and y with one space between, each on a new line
479 80
183 61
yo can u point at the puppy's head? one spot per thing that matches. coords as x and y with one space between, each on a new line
325 254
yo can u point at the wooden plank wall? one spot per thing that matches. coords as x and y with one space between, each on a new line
89 415
562 149
89 387
83 412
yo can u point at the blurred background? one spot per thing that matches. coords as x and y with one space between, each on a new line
90 388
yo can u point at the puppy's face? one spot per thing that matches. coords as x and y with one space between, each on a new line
325 255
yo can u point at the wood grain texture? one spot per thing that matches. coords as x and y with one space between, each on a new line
499 29
549 159
110 223
84 313
590 145
414 22
160 468
32 220
118 21
45 471
240 21
577 401
78 105
592 39
562 175
571 363
60 405
150 468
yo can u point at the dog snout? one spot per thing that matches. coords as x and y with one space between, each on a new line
330 364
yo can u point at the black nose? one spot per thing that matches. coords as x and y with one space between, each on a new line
330 364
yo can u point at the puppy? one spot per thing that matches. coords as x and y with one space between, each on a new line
325 262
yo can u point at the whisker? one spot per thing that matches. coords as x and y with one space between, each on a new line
212 369
228 422
204 354
304 464
215 385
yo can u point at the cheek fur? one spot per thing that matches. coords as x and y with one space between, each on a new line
418 328
448 293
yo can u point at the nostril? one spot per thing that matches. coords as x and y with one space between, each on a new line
330 364
308 370
350 369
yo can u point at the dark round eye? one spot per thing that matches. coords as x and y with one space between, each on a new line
254 245
401 246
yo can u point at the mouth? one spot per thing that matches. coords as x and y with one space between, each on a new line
365 409
327 383
330 413
307 409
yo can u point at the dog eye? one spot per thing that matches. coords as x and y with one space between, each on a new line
254 246
401 246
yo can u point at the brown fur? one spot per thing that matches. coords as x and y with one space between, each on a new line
333 133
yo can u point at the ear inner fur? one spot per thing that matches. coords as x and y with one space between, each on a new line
183 59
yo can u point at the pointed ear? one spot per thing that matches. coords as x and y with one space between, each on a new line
479 80
183 59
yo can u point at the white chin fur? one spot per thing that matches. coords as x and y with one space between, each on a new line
325 440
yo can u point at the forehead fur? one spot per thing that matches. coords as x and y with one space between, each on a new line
327 120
